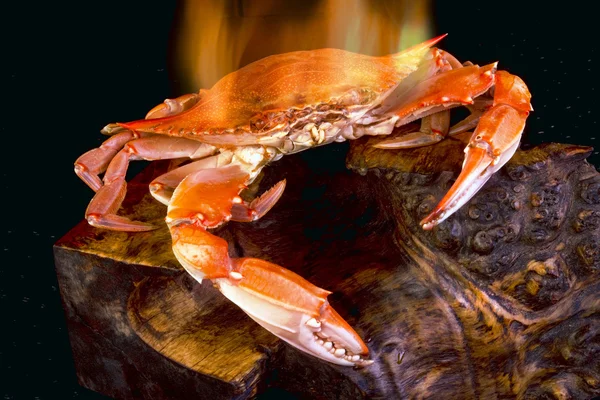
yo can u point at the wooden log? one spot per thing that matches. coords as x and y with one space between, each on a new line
514 276
138 326
501 300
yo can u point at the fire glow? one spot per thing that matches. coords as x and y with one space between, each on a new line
216 37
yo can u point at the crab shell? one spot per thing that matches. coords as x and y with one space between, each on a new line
265 98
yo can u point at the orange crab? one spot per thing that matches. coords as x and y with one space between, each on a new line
281 105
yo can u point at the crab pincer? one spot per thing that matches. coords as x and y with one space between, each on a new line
278 299
493 143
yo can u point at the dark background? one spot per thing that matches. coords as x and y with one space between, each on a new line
69 69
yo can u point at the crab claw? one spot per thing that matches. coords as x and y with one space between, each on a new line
492 144
280 300
478 167
293 309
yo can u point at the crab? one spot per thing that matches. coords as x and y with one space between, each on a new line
284 104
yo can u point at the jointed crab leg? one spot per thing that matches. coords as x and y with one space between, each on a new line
175 106
479 106
500 123
101 211
278 299
163 186
492 144
436 95
94 162
434 128
248 212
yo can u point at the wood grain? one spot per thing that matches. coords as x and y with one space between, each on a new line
501 300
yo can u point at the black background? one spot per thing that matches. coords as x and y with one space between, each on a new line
68 69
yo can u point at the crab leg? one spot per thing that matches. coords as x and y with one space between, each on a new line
248 212
163 186
94 162
101 211
434 128
175 106
449 89
278 299
492 144
476 110
162 189
429 99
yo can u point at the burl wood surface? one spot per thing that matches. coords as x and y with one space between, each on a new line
500 301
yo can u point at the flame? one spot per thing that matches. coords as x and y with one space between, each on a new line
216 37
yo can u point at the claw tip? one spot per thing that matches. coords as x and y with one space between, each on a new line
365 363
235 275
430 221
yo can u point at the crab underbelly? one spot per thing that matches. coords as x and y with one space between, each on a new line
226 140
300 137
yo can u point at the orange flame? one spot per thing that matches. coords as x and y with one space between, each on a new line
216 37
